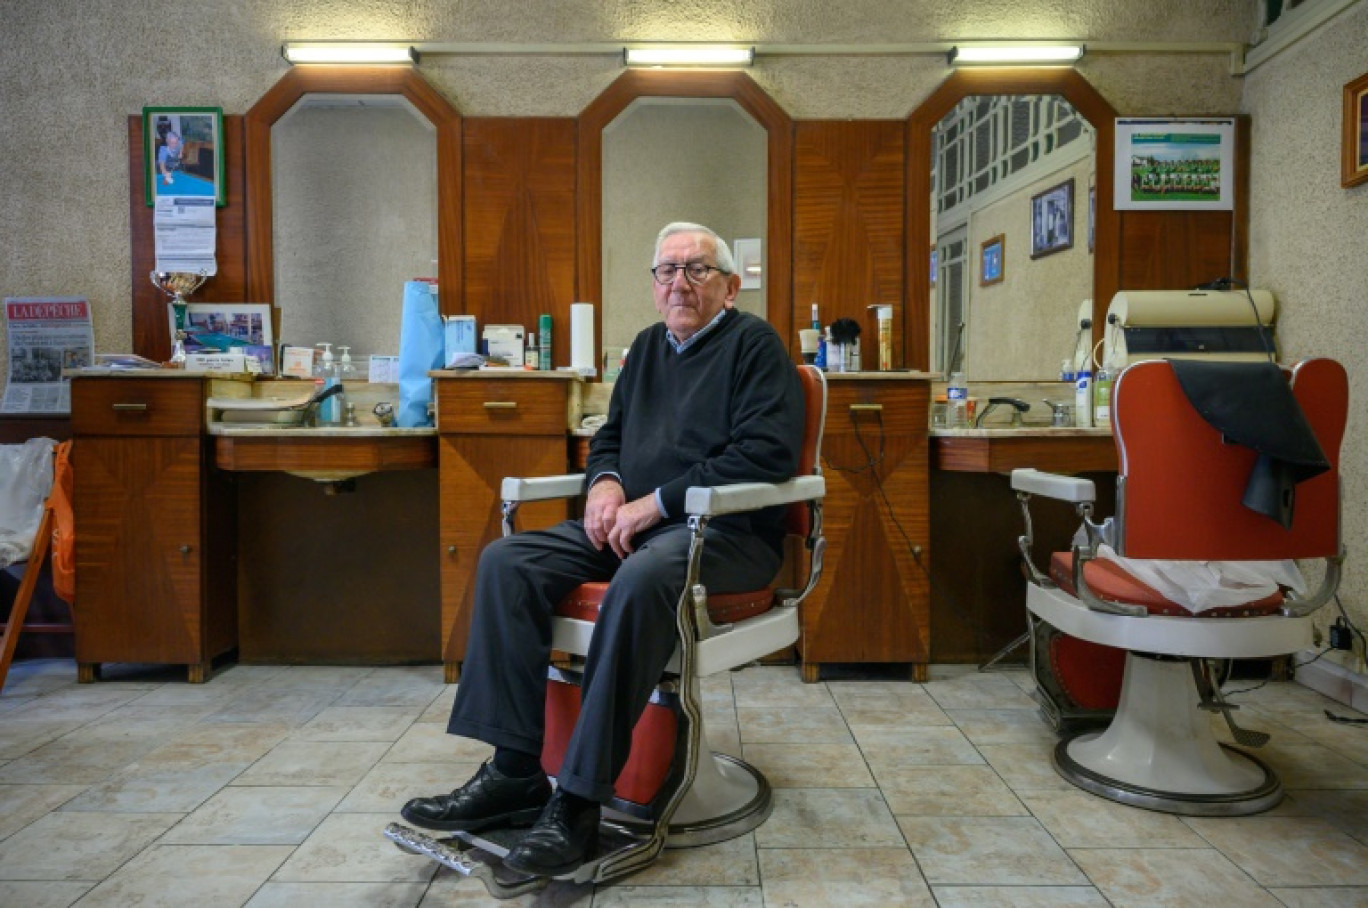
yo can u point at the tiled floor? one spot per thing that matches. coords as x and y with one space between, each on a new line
269 786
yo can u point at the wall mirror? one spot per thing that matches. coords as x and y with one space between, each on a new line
675 159
352 188
662 110
1012 263
931 349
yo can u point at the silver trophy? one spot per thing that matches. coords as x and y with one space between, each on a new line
177 285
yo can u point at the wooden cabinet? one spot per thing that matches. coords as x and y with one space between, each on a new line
154 553
873 603
490 427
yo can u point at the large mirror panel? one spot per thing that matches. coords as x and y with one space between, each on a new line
676 159
1010 220
354 192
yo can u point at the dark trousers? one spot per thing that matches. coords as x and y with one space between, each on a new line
502 696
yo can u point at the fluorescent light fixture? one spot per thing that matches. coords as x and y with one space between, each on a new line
346 52
689 55
1015 54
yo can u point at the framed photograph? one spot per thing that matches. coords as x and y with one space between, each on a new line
183 152
228 328
990 260
1175 165
934 263
1354 154
748 263
1052 220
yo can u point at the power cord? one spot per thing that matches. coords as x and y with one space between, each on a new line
1227 283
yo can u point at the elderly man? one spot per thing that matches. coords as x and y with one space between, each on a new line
707 397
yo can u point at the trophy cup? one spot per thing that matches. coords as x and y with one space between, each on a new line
177 285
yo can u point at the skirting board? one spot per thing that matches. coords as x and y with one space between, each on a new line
1333 680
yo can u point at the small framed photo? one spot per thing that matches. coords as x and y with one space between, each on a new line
1354 154
1052 220
228 328
183 152
749 264
990 260
934 262
1175 165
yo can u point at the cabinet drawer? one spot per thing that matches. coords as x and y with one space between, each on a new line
150 406
862 407
502 407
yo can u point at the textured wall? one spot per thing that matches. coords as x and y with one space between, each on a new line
1021 328
1309 239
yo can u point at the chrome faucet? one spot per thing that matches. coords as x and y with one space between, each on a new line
1060 414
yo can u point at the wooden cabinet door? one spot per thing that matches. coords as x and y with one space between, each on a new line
472 470
138 557
872 604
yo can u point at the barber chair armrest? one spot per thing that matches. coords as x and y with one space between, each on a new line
1054 485
750 496
541 488
1298 606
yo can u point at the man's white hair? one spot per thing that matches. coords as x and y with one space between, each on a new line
725 262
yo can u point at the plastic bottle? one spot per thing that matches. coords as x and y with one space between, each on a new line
345 370
1066 370
544 348
1102 386
957 402
330 410
822 345
532 354
1083 398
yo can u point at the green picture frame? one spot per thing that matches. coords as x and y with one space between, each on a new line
183 153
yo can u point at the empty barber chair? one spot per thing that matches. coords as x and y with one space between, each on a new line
1179 499
674 791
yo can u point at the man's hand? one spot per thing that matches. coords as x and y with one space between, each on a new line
600 510
632 518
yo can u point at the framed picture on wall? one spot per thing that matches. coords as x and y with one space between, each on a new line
990 260
183 152
1354 154
1052 220
1175 165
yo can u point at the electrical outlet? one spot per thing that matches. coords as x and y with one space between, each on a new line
1341 637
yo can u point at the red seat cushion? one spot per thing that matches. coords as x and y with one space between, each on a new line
724 608
1109 581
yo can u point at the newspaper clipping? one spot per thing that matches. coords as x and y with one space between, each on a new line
46 335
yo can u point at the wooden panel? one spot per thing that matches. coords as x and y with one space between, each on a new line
641 83
872 604
848 222
1053 454
132 406
19 429
519 223
329 453
138 553
151 326
1167 250
472 471
502 407
344 578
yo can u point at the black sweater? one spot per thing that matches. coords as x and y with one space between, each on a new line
728 409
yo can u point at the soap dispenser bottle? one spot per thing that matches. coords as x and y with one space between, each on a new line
330 410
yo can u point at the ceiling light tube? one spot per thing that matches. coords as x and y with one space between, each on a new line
345 52
1016 54
689 55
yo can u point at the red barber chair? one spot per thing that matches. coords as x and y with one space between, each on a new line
674 791
1179 498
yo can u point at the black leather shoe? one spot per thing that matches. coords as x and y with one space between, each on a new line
563 838
488 799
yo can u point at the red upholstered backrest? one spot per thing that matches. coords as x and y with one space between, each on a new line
809 459
1182 484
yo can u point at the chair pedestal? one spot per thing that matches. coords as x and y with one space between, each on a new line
728 798
1160 752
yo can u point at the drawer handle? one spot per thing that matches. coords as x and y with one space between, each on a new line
501 405
451 550
866 408
130 408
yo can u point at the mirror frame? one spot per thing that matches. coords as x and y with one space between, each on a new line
646 83
1004 81
361 80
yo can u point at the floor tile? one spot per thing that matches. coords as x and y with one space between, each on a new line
883 704
350 848
1323 897
915 746
427 742
730 863
339 895
31 894
155 784
791 726
415 686
840 878
1019 897
69 846
1002 726
171 876
1002 851
1169 877
278 815
838 765
627 896
979 692
389 785
1347 811
947 791
449 889
229 742
1077 819
357 723
828 818
774 687
314 763
1025 767
1288 851
22 804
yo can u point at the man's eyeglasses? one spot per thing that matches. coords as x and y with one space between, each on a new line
696 272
